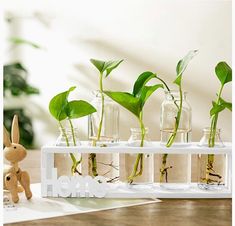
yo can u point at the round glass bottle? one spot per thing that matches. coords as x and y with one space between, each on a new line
174 170
211 167
127 161
104 164
64 161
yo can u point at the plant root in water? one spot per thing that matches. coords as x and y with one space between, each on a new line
212 178
139 163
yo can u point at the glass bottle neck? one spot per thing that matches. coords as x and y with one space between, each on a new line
138 131
97 95
174 95
207 131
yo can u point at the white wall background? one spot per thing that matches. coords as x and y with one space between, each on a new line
148 35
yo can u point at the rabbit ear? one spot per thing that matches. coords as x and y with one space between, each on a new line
15 135
6 140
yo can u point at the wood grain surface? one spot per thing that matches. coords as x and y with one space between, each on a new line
167 213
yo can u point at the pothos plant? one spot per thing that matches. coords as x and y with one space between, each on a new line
104 68
180 68
224 74
62 109
134 102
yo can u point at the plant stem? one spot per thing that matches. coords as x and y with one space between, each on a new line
93 155
214 122
177 120
168 89
139 162
67 143
164 83
163 168
75 144
102 108
72 130
211 141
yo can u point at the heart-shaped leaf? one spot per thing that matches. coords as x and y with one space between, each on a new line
99 64
126 100
58 104
78 109
110 65
223 72
182 65
105 66
141 81
226 104
147 91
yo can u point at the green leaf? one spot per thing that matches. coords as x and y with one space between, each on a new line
216 108
182 65
31 90
126 100
178 80
19 41
226 104
223 72
147 91
141 81
15 80
105 66
78 109
99 64
110 65
58 105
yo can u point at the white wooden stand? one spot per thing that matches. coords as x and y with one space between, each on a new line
88 187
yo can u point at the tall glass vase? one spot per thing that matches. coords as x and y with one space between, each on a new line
104 164
211 167
175 170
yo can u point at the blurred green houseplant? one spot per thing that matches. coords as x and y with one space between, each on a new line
15 84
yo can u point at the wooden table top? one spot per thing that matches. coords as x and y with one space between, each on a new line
196 212
170 212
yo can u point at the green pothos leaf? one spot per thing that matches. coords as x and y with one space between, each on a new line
226 104
105 66
78 109
182 65
58 105
147 91
126 100
223 72
141 81
110 65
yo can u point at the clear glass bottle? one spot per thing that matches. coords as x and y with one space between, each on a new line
110 125
211 167
169 110
127 161
63 161
107 165
173 171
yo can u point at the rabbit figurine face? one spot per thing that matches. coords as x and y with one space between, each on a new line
14 153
